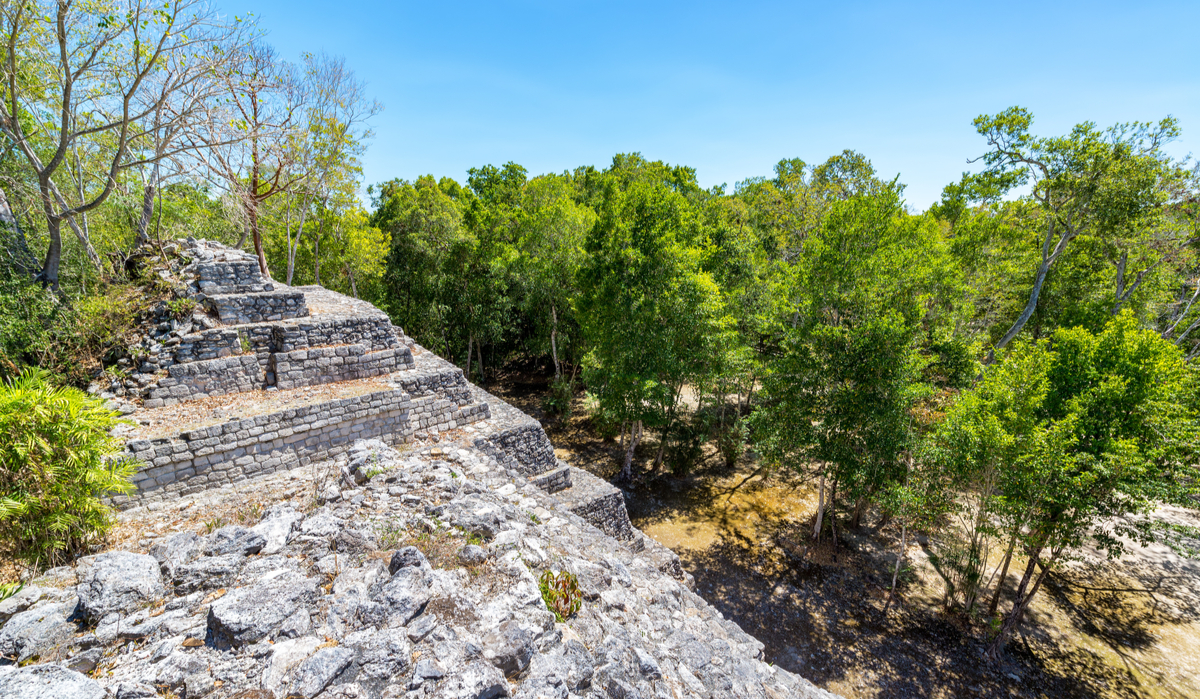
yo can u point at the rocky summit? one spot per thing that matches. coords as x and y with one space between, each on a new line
352 518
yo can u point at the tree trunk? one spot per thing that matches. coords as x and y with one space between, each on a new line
256 237
860 509
1021 600
479 356
317 260
635 436
1003 575
350 276
49 273
294 247
833 517
18 252
554 340
1030 306
899 560
143 227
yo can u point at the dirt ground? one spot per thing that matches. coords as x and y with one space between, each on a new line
1097 629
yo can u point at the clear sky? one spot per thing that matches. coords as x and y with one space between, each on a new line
732 88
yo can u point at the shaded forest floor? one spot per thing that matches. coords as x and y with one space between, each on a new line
1098 629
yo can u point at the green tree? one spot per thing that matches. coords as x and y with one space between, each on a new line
551 233
1112 186
1093 434
648 310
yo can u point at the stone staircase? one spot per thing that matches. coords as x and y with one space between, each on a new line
267 377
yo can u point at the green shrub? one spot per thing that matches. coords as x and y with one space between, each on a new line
56 463
558 402
69 339
731 441
607 426
561 593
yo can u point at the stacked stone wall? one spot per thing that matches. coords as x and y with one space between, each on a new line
230 277
374 332
554 480
526 444
600 503
239 309
435 412
206 378
207 345
449 383
223 454
335 364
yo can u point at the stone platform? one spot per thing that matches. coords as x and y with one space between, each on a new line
268 378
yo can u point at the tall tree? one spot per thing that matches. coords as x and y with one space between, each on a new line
79 71
1111 184
249 134
649 311
1094 432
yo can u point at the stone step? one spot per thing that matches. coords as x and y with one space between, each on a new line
229 276
239 309
598 502
323 365
554 480
221 451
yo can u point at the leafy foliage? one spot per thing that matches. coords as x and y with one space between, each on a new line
57 466
561 593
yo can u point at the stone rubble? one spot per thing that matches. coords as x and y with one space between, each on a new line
417 577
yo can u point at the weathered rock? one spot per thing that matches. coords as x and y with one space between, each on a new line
318 670
35 632
277 526
47 681
322 523
405 557
207 573
21 601
119 582
85 661
509 648
248 614
647 666
404 595
475 680
234 539
350 541
199 684
175 669
285 656
176 551
384 657
472 555
128 689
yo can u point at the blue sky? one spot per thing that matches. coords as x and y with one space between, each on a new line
732 88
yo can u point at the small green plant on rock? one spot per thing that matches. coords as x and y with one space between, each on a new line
561 593
181 309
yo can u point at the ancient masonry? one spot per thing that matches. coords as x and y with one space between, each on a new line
264 378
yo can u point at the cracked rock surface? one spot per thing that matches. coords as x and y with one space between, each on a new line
419 580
